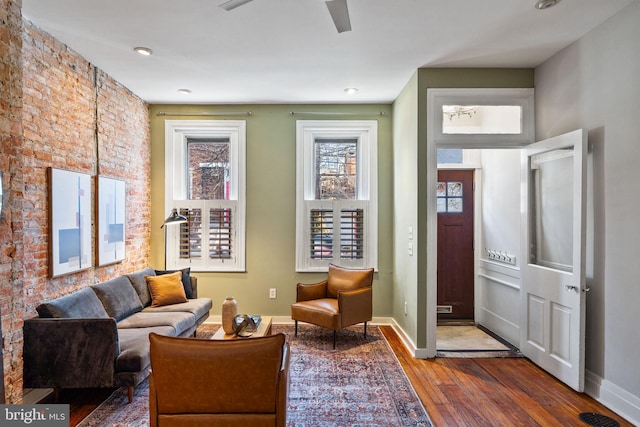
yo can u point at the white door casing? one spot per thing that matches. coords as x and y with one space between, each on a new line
553 290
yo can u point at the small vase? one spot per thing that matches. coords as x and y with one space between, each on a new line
229 313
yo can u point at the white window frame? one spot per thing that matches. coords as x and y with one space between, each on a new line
524 98
366 133
177 132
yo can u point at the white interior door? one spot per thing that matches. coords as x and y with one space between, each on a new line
553 280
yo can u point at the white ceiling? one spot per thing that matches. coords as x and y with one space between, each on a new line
288 51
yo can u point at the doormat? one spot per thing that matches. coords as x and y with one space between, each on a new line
462 341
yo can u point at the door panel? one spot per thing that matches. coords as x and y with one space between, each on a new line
455 243
553 279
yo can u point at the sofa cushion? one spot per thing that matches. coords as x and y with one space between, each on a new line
166 289
80 304
140 284
186 279
198 307
180 321
118 297
134 347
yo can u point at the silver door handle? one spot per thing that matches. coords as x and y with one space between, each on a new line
570 288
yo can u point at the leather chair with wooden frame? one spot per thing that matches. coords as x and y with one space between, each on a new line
199 382
345 298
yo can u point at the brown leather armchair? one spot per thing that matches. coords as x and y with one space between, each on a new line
343 299
198 382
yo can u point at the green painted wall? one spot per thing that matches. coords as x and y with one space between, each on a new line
413 284
271 180
405 153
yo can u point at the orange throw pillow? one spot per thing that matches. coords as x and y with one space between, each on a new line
166 289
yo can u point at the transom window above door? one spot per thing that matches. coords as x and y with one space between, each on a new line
487 118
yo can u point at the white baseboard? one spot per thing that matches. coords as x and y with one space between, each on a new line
613 397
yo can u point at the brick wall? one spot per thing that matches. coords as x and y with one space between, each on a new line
66 114
11 248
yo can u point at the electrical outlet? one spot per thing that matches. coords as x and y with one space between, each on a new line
272 293
406 308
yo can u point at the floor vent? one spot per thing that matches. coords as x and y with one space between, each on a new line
598 420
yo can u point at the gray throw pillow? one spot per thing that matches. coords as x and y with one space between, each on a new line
138 281
118 297
81 304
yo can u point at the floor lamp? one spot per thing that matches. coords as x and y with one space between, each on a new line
174 218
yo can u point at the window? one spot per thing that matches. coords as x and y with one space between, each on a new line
205 182
464 118
449 197
336 200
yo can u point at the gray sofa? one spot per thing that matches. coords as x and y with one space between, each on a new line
98 336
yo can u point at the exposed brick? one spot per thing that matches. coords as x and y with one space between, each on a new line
48 105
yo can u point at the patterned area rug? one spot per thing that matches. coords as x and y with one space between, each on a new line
360 383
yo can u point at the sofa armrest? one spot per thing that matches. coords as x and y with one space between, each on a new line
310 291
355 306
70 352
194 286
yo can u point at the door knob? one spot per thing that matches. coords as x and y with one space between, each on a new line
570 288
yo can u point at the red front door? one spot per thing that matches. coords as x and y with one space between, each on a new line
455 244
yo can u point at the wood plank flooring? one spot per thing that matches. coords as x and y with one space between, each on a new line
458 392
493 392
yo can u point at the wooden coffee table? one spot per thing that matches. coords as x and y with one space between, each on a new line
264 329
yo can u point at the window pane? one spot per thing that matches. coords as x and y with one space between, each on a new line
449 155
321 226
482 119
209 169
552 209
454 189
335 169
351 236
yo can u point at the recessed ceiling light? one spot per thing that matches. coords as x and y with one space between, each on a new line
184 91
351 90
546 4
144 51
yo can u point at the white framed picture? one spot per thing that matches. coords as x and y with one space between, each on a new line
70 248
110 217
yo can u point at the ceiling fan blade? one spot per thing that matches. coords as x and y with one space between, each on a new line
232 4
340 14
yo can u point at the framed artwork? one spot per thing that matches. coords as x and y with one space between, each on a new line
110 217
70 247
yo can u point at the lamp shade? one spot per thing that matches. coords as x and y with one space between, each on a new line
174 218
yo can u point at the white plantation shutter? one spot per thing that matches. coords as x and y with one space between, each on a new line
336 233
208 240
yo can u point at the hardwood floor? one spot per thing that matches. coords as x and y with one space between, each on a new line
493 392
457 392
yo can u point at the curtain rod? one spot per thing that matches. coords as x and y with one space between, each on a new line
215 113
332 113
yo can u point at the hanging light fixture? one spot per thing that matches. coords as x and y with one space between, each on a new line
458 111
546 4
